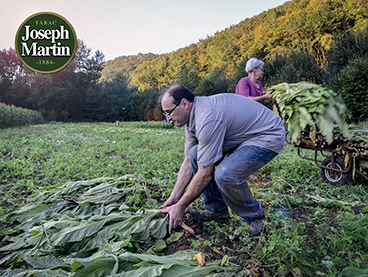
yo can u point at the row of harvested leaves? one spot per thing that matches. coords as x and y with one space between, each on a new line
86 228
317 116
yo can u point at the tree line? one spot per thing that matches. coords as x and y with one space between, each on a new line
305 25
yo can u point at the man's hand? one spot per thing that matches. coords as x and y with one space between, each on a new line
176 214
176 208
184 176
170 201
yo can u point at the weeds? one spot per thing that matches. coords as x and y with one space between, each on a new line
313 229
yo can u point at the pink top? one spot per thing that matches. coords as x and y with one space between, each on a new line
245 87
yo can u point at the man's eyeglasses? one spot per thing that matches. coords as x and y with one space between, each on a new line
168 114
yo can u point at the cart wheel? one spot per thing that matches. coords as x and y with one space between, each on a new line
333 177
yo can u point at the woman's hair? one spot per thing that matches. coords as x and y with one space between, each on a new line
252 63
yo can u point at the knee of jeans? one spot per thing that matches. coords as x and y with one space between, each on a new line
220 175
192 154
226 176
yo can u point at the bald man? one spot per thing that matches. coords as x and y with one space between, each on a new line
228 137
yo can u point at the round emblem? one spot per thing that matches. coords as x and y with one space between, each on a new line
46 42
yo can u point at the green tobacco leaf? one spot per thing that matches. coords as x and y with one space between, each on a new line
326 127
97 268
111 207
313 133
312 100
181 258
48 262
332 113
101 237
305 118
14 246
85 229
160 244
75 266
34 233
31 212
184 271
71 188
293 127
108 231
158 227
14 256
37 273
279 88
173 265
304 104
169 271
149 271
137 227
104 187
6 231
65 221
105 198
174 237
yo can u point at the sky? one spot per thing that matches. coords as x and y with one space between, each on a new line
128 27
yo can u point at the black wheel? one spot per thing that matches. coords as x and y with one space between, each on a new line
333 177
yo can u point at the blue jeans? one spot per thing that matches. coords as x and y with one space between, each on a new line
229 187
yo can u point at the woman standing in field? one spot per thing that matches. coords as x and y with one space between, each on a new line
250 86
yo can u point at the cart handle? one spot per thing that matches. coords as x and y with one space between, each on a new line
318 163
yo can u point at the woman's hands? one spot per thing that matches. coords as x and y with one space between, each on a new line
267 97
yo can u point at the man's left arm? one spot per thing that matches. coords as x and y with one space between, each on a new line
199 182
210 141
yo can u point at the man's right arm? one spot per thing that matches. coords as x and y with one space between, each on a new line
184 177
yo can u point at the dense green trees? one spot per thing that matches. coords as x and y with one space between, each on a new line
216 82
124 65
74 93
59 96
347 71
299 25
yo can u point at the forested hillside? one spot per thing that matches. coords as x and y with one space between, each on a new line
320 41
308 25
124 65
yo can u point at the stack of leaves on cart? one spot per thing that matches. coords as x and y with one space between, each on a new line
86 228
358 141
310 112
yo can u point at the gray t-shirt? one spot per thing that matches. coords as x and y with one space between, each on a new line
225 122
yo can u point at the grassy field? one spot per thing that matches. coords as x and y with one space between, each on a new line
313 229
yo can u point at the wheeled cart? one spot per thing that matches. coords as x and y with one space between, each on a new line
337 168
